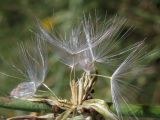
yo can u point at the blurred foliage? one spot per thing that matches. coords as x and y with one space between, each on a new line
17 22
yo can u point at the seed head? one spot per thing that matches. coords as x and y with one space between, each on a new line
34 62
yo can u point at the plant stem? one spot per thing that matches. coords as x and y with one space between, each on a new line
24 105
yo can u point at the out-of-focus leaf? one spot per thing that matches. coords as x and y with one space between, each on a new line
24 105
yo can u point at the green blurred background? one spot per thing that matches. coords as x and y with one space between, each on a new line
17 23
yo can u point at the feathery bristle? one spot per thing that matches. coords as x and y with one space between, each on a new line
34 61
101 38
119 85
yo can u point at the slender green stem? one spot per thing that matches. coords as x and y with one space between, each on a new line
50 90
71 73
103 76
24 105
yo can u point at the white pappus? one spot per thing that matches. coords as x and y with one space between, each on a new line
101 31
34 62
106 33
119 84
89 42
